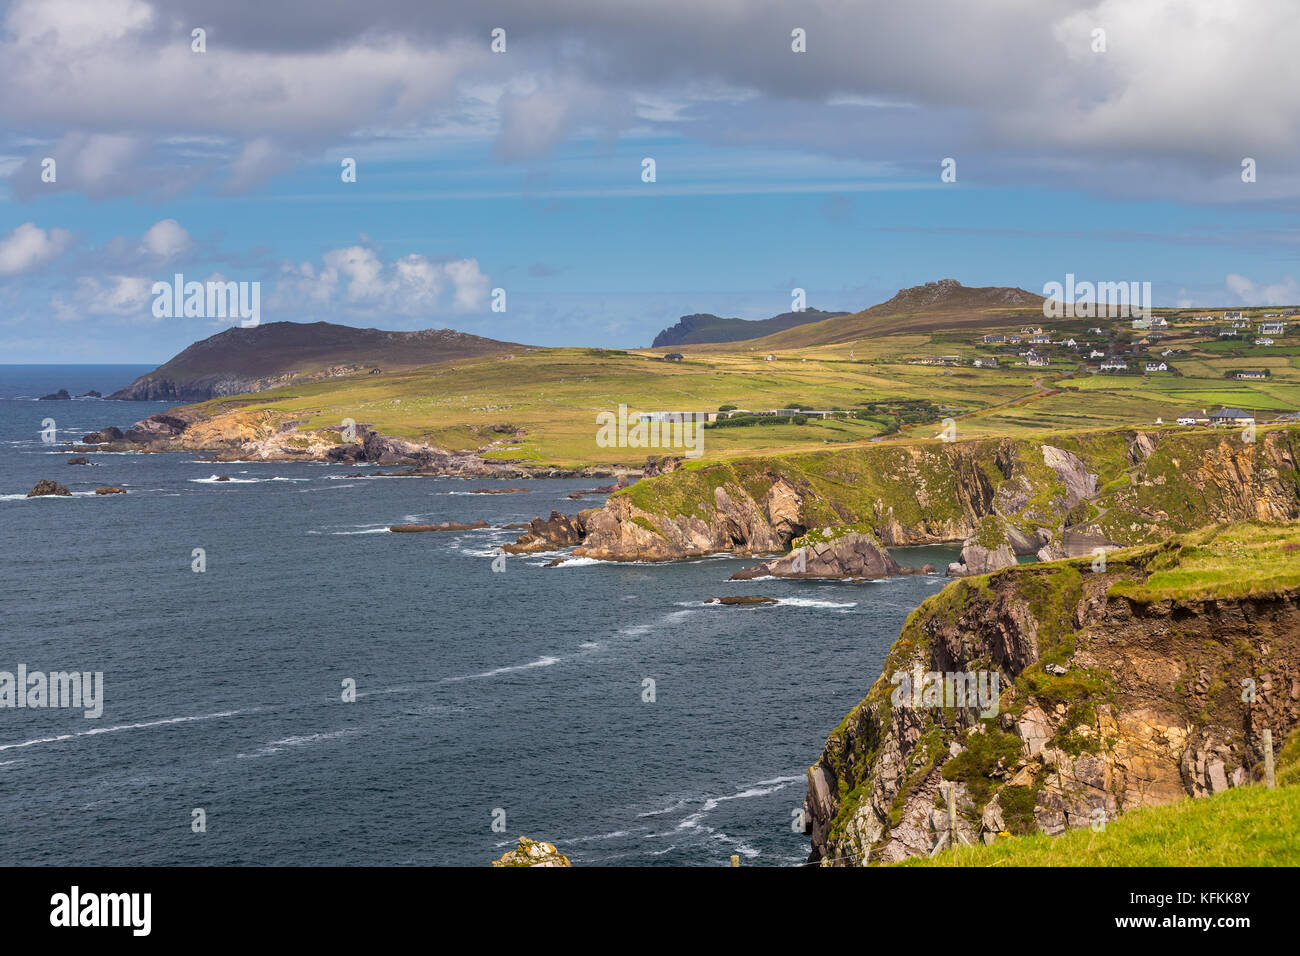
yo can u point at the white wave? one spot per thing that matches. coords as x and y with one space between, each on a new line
383 530
75 494
614 835
655 813
275 746
810 602
120 727
575 563
540 662
760 789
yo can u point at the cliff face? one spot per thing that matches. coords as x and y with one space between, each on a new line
1139 684
1069 496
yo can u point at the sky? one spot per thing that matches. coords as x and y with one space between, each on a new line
501 147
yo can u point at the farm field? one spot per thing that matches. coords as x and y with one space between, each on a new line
540 406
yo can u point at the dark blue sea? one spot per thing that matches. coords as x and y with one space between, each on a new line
477 692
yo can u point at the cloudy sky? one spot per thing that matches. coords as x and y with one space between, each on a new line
1105 139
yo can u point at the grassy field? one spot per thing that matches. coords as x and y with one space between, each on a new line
1246 826
1239 560
551 397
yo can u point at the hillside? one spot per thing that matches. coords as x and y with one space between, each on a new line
935 306
241 360
1118 688
704 328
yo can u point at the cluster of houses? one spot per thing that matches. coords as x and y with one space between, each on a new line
1234 417
1104 353
1036 342
683 417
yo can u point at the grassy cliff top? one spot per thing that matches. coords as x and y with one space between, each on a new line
1246 559
1247 826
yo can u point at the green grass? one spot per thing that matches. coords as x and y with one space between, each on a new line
1241 560
554 395
1247 826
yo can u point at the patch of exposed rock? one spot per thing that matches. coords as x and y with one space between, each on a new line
852 555
978 559
533 853
47 487
742 600
110 491
549 534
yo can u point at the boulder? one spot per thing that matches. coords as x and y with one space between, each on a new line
156 428
548 534
110 491
853 555
103 436
47 487
533 853
977 559
78 461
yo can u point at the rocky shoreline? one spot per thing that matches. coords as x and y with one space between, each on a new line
239 435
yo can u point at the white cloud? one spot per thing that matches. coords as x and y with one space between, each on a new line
165 239
357 279
29 247
111 295
1248 292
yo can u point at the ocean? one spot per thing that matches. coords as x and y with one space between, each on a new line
488 705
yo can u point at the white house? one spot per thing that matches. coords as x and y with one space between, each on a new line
1272 328
1230 316
1142 323
1263 340
1114 365
1096 353
1159 322
1157 367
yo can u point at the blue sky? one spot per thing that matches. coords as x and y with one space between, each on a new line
523 171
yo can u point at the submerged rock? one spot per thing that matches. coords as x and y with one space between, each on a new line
47 487
78 461
533 853
742 600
